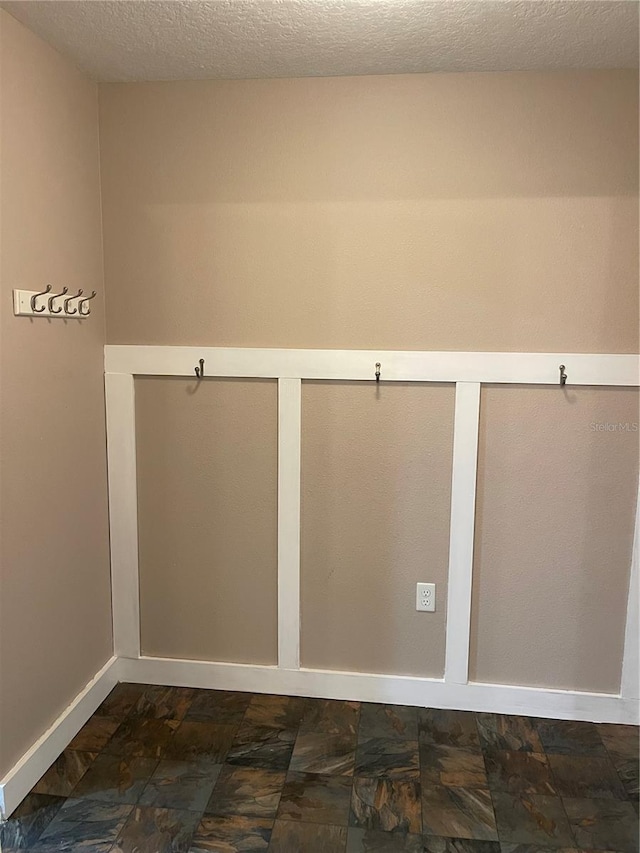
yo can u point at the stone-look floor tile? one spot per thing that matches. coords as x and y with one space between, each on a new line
603 824
93 811
623 741
232 834
436 844
448 728
519 772
142 736
69 837
84 825
292 836
65 773
386 804
315 752
452 766
507 733
458 813
200 742
115 779
534 848
260 746
218 706
586 776
622 745
276 712
248 791
388 721
28 821
95 734
627 769
313 798
375 841
164 703
532 819
151 830
120 701
388 758
181 785
331 717
568 737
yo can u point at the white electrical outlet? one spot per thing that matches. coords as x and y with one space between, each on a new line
426 597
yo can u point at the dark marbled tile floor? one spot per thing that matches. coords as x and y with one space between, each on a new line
176 770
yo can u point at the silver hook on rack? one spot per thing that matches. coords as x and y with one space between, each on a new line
69 299
53 310
378 366
86 299
35 296
563 376
200 370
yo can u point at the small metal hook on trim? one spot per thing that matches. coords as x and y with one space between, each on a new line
563 375
35 296
82 301
200 370
378 365
53 310
69 299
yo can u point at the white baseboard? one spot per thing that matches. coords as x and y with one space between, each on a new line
364 687
29 769
392 689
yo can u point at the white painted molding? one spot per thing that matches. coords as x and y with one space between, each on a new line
467 370
289 423
123 512
461 531
535 368
30 768
630 686
393 689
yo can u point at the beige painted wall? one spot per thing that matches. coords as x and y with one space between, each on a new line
376 493
454 212
55 624
442 211
555 512
207 498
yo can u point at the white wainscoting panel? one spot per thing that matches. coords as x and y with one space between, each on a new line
467 370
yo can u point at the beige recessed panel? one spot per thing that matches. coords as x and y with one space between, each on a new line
376 491
207 502
557 487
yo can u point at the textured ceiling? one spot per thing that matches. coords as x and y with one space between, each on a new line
121 40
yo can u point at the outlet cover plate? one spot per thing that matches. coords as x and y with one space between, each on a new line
426 597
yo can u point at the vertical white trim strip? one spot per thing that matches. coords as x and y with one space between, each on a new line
461 530
630 683
289 438
123 513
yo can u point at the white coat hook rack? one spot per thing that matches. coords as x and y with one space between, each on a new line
45 303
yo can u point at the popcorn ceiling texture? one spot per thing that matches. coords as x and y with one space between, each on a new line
189 40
